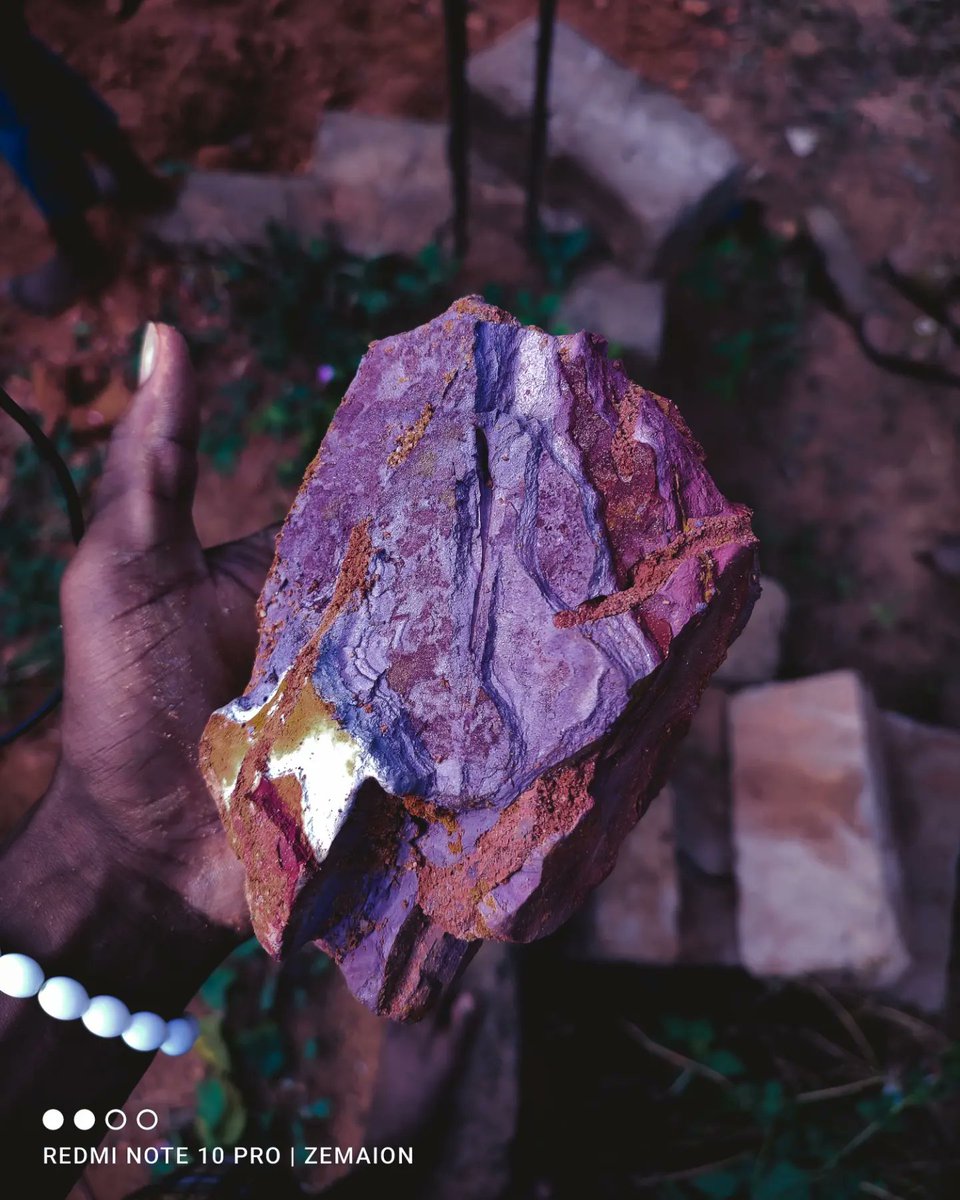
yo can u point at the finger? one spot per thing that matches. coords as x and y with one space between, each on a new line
146 495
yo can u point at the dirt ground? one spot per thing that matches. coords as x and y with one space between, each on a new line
852 469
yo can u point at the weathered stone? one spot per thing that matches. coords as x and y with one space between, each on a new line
628 310
841 263
474 1161
701 785
633 915
755 656
700 782
496 600
228 210
647 172
385 179
925 799
818 880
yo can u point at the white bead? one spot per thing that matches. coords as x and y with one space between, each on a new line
63 998
146 1031
180 1037
20 976
107 1016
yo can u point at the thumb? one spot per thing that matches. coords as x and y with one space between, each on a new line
146 494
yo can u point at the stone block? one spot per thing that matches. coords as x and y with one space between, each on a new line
700 782
819 889
634 914
227 210
924 765
474 1161
385 181
755 656
645 171
628 312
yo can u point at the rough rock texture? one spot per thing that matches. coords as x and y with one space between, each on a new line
817 873
646 171
496 600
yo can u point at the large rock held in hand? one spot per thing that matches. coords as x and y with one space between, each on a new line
503 585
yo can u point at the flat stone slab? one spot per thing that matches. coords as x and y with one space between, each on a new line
644 170
385 181
496 601
818 878
924 767
629 312
634 914
230 210
755 656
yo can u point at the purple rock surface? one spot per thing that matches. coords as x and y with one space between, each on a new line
499 594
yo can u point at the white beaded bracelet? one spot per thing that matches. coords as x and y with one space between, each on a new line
66 1000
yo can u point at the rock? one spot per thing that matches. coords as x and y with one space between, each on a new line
755 656
229 210
818 880
643 169
841 263
700 781
804 43
924 765
928 279
801 140
627 311
944 557
634 914
386 180
495 603
475 1160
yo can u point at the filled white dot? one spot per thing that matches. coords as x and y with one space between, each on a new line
20 976
180 1037
146 1031
83 1118
52 1119
106 1016
63 999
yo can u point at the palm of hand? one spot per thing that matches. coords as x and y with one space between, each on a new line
157 633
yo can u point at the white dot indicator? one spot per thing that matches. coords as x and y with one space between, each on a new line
147 1118
83 1118
116 1118
52 1118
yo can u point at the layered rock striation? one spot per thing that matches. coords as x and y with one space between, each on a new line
499 594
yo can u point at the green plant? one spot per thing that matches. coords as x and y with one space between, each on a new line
309 312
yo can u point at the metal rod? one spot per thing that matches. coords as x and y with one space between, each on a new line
455 21
540 117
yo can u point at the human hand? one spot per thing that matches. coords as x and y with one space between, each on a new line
157 634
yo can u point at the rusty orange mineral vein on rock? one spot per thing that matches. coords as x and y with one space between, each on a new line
499 594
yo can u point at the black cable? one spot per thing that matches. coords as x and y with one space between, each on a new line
48 453
539 119
455 24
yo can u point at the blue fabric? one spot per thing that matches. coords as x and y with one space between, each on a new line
48 116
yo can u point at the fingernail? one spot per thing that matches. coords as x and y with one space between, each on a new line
148 352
